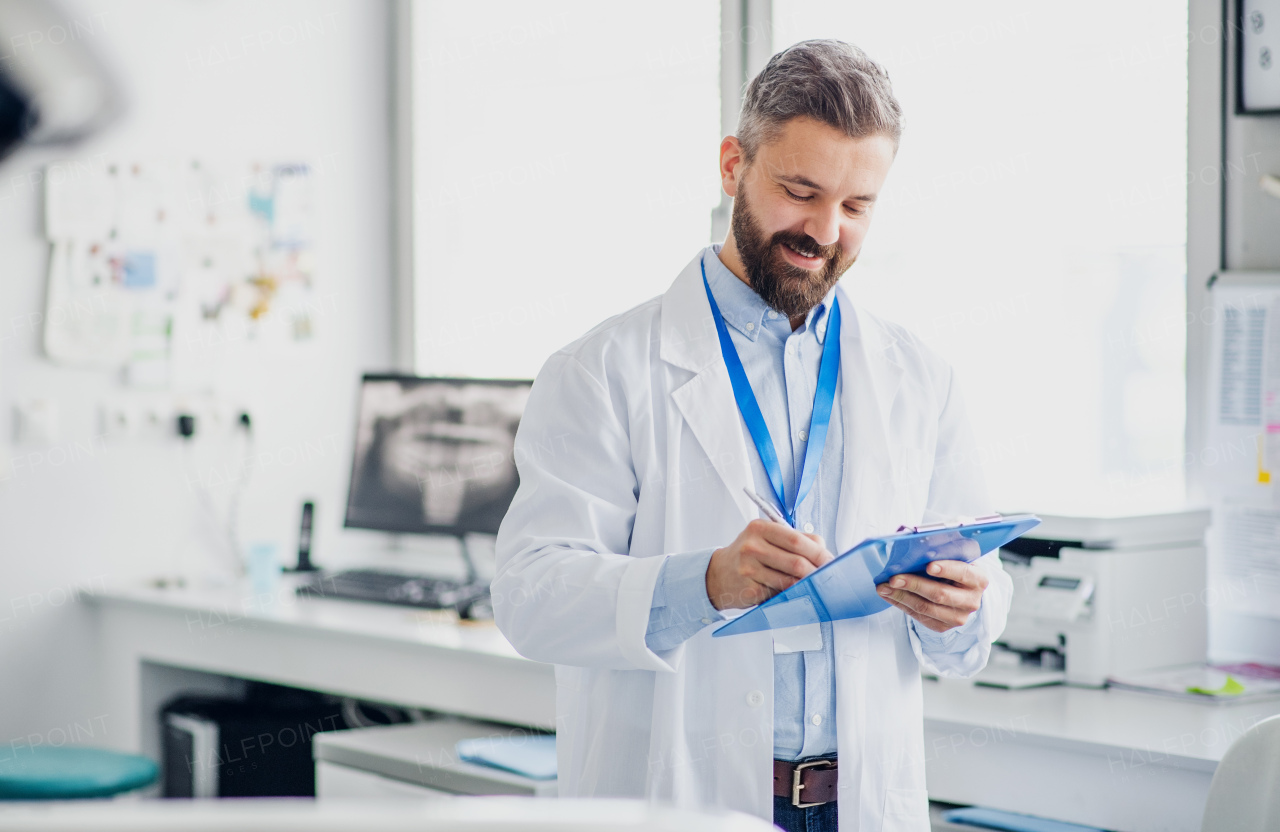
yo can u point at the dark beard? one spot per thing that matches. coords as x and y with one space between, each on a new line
791 290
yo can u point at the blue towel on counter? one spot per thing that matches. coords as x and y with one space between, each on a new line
530 755
1010 821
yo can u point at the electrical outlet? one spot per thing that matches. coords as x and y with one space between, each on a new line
154 417
116 421
156 420
146 417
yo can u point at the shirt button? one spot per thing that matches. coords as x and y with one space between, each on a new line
706 621
804 435
817 719
750 326
808 528
772 314
755 699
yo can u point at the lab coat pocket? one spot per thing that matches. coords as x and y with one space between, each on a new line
905 810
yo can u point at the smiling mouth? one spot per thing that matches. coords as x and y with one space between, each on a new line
812 255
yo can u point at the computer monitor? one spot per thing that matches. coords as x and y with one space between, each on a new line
434 455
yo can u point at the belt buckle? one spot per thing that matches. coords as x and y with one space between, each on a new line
796 785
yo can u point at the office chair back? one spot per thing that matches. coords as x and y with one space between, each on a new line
1245 793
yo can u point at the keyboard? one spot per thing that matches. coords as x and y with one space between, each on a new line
397 588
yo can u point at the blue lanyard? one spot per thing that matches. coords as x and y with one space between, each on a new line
750 408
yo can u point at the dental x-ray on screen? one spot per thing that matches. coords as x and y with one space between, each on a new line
434 455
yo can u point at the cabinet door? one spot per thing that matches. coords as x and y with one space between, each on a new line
338 781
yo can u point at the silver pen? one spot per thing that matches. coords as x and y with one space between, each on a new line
769 511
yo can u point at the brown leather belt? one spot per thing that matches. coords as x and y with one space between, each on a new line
809 783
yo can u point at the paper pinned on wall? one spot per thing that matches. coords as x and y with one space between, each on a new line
1242 459
134 246
1246 568
79 199
114 273
84 325
1242 331
1240 462
1269 462
252 267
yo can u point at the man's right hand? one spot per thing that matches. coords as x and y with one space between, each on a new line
766 558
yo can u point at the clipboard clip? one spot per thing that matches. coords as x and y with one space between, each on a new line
963 521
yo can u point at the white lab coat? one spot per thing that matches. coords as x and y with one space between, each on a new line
631 448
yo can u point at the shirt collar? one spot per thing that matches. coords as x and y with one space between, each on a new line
744 310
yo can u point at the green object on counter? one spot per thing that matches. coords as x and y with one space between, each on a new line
1229 688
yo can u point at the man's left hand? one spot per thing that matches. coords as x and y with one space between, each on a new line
944 599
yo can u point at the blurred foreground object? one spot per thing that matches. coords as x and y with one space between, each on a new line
53 88
462 814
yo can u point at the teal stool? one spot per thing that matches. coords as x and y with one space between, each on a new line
68 773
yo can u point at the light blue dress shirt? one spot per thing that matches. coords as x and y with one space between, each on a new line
782 367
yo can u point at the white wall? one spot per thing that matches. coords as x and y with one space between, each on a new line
218 79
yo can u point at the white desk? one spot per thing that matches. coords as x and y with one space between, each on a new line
1114 759
381 653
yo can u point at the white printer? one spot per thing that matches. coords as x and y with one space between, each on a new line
1096 597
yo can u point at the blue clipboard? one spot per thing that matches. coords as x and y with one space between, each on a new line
846 587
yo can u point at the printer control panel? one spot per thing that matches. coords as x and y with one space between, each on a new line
1061 597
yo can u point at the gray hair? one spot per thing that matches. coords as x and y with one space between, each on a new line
827 80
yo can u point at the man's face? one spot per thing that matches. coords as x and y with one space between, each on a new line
802 208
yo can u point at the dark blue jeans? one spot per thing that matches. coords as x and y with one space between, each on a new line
814 819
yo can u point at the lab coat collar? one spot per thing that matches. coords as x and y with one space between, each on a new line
870 377
689 339
739 304
705 401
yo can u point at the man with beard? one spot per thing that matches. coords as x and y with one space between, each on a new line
631 533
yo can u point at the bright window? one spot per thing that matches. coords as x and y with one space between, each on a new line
1033 229
565 169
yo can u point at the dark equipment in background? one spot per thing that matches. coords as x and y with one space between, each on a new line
16 116
304 539
53 88
432 456
256 746
398 588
